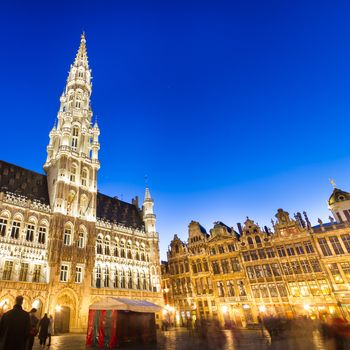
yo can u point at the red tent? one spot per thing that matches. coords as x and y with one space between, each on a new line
116 321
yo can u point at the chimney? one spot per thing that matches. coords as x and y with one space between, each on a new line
135 201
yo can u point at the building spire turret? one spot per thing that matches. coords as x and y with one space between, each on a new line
148 215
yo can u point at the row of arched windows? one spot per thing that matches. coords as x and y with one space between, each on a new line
120 249
32 231
68 236
121 279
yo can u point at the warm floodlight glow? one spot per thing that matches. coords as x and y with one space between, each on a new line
246 306
58 308
262 308
307 307
224 309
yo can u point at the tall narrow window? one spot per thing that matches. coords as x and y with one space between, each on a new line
64 273
130 279
36 273
344 238
73 172
324 247
42 235
30 233
15 230
116 279
338 249
122 280
106 277
8 268
67 237
3 225
99 246
78 274
84 176
81 240
23 273
98 277
75 138
107 247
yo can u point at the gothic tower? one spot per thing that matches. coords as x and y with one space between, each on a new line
71 167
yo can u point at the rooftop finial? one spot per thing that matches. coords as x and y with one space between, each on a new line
333 183
82 37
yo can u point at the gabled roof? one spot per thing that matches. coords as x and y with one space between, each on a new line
338 196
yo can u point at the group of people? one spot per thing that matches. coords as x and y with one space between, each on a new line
18 328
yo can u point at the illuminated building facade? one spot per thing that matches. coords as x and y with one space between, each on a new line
292 270
64 245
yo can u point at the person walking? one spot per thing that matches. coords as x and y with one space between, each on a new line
14 327
43 330
33 328
50 330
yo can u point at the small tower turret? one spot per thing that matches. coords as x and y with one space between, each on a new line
149 217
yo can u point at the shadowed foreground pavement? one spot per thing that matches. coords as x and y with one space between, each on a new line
181 339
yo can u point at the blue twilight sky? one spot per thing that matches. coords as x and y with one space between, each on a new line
232 108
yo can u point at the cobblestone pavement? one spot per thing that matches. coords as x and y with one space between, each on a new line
181 339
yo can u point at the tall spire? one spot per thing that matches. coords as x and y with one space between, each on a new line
81 58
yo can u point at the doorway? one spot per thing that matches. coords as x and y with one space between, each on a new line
61 320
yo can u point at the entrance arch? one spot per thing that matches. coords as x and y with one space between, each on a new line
65 311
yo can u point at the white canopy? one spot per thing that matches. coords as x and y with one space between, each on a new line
126 305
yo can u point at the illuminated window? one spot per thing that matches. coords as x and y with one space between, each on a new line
116 279
235 265
230 288
8 268
273 290
324 247
130 279
99 246
338 249
30 233
67 237
3 225
305 266
255 291
315 265
42 235
23 273
64 273
345 239
75 138
346 269
15 230
220 287
106 277
78 274
304 290
84 176
98 277
81 240
107 247
282 289
334 270
36 273
73 172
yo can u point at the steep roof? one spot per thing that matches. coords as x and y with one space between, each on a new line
23 182
338 196
115 210
33 185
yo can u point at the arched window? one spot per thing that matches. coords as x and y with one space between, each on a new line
99 245
75 135
3 226
144 281
129 279
107 247
30 232
138 280
257 240
137 256
116 279
67 236
106 277
122 279
98 277
84 177
16 225
42 235
129 256
122 249
73 173
250 241
81 239
116 251
143 256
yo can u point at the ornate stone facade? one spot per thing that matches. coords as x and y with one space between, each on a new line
64 245
294 269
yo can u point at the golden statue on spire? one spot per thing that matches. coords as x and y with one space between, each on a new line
333 183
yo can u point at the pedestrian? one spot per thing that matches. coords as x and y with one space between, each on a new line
14 327
33 328
50 330
43 330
